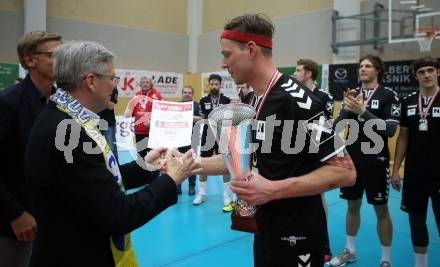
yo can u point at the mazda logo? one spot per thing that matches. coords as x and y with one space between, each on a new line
341 74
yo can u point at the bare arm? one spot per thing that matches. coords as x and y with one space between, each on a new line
213 166
197 118
399 156
321 180
128 113
257 190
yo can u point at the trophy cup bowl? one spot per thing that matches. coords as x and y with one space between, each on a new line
231 125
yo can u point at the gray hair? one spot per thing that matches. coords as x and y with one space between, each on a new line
73 60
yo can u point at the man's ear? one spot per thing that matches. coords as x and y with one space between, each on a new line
29 60
90 81
252 47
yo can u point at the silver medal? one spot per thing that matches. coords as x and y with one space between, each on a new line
423 126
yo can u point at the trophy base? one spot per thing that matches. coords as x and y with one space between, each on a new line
243 223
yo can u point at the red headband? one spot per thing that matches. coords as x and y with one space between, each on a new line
246 37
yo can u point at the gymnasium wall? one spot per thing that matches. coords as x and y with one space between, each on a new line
144 34
303 29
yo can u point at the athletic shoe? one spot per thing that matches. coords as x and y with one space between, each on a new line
228 207
342 259
327 258
199 199
385 264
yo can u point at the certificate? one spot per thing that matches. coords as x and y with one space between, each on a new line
171 124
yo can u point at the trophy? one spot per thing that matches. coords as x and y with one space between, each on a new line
231 125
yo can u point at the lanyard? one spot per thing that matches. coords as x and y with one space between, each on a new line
216 103
371 94
266 92
423 115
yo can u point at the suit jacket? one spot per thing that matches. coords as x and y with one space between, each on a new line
78 205
19 106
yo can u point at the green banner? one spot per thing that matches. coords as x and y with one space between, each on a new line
8 73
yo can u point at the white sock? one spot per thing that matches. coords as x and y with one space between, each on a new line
227 192
351 243
386 254
421 260
202 188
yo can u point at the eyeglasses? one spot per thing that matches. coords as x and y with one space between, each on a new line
115 79
45 53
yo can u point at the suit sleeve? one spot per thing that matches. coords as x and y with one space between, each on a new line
90 190
134 176
10 206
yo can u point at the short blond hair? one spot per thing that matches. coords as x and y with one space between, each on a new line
29 42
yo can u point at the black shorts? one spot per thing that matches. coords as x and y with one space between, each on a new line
416 193
208 144
282 253
373 176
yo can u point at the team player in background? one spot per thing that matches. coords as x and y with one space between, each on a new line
208 148
418 143
371 103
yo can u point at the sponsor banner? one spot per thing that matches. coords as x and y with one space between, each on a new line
125 139
168 84
229 88
8 73
341 77
325 72
399 77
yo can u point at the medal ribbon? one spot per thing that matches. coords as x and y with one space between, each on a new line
371 94
266 91
423 115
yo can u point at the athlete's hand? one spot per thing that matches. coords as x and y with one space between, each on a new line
253 188
353 104
395 181
24 227
179 168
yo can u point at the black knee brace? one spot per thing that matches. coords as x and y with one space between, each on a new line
419 230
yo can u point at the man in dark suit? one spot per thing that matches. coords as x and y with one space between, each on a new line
77 188
19 106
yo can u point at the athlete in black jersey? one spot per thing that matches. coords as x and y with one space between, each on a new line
296 156
419 144
375 111
306 72
208 145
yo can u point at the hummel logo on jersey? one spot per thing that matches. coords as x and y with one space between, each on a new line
303 259
292 239
395 110
436 112
319 128
297 92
